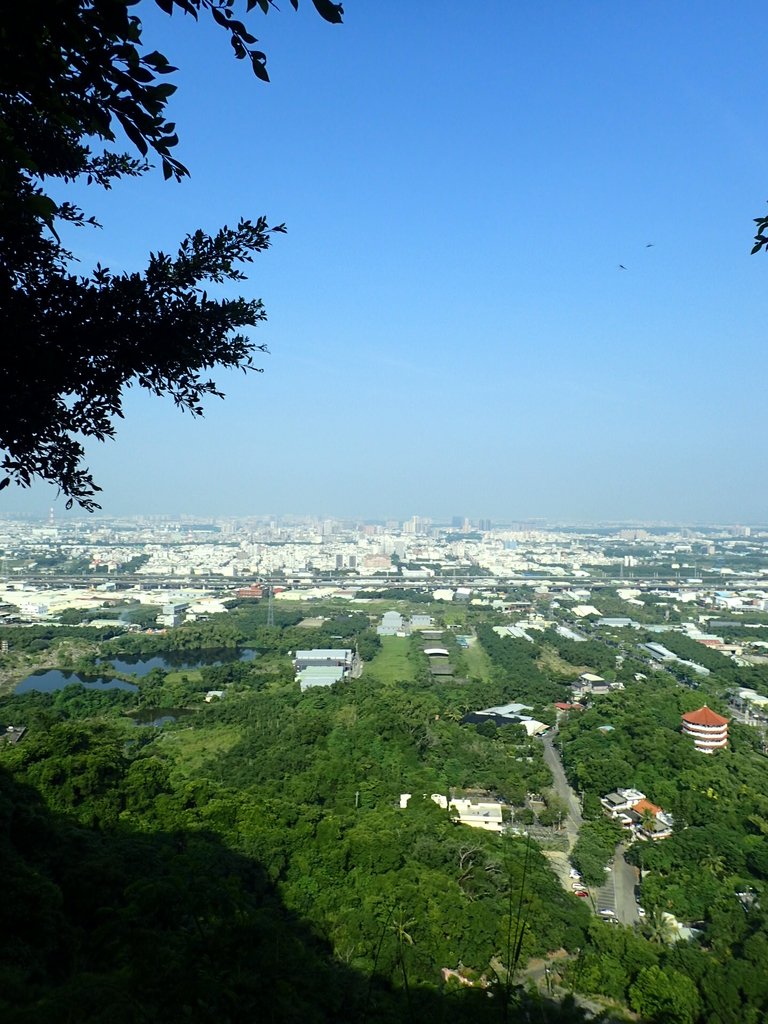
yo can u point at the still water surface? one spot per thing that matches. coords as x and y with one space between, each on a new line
47 681
179 660
54 679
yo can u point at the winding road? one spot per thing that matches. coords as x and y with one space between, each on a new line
618 892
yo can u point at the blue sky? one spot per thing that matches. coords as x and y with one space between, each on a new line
450 331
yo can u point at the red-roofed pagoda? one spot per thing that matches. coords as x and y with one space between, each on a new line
708 729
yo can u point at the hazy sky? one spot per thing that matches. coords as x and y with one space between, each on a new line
449 327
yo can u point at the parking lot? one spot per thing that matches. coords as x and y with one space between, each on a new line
605 897
617 893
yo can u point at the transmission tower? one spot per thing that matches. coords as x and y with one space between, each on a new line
271 606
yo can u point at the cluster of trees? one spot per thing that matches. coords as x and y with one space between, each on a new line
63 563
133 564
278 807
38 711
296 818
717 849
681 982
555 809
590 653
245 625
374 739
32 639
735 630
622 965
652 610
144 615
515 661
355 631
594 849
691 650
398 594
74 616
727 673
156 919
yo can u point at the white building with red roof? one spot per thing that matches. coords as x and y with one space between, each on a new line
708 730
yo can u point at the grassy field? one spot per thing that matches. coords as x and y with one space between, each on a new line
191 748
391 664
194 675
451 614
478 662
550 661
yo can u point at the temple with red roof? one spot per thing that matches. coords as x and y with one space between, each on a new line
708 730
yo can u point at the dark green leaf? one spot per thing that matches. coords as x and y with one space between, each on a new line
330 11
259 68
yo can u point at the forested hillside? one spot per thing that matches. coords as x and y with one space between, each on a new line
251 858
712 872
256 850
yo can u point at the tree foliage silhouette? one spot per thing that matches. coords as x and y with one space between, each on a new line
75 76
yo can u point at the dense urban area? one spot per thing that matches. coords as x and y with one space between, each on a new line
383 771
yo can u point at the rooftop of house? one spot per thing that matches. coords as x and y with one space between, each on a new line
704 716
328 654
12 734
645 806
506 709
625 797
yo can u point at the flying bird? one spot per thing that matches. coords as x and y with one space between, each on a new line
649 245
622 267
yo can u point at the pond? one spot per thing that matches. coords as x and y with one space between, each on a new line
47 681
54 679
169 661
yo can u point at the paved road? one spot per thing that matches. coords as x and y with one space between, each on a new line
604 897
625 878
618 892
574 820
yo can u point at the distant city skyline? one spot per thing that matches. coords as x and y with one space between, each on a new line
448 322
53 515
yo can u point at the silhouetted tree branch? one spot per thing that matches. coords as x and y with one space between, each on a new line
72 74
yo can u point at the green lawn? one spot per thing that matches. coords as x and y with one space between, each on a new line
194 675
391 664
478 662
